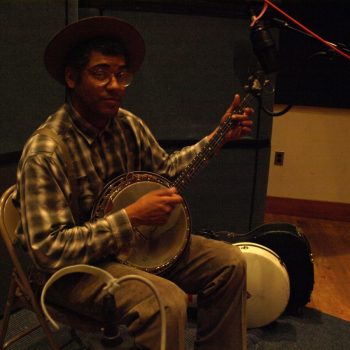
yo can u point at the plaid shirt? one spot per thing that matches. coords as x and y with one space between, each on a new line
48 228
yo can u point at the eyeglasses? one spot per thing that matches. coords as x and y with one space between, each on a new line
104 76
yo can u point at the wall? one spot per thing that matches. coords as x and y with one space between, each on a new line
316 163
25 83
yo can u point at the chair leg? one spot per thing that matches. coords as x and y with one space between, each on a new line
7 312
36 309
43 323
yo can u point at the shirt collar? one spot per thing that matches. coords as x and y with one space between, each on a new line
88 131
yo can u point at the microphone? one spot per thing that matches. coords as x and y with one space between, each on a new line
263 45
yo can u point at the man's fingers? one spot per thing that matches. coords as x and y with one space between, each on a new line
235 102
169 195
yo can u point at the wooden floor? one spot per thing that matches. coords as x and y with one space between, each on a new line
330 245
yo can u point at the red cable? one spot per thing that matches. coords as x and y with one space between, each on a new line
256 18
308 30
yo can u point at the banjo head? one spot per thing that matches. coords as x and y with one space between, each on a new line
156 248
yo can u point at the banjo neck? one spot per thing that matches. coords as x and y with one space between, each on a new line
210 149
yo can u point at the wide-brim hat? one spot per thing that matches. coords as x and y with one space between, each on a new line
89 28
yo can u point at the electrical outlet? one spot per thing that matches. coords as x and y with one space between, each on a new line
279 158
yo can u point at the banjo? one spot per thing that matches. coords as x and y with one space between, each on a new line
158 248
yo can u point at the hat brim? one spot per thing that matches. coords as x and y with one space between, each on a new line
89 28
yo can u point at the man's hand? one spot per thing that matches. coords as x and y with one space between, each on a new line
154 208
243 126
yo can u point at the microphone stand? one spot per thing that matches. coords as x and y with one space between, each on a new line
111 337
285 25
329 53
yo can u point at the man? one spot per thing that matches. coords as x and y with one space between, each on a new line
95 58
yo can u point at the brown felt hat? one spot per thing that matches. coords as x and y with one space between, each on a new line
89 28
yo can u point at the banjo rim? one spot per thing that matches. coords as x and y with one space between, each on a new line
118 184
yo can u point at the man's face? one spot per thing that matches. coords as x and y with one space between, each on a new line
94 96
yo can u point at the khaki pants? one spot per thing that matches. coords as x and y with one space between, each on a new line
213 270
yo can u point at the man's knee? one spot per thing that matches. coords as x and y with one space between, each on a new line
175 300
230 256
146 324
238 261
232 266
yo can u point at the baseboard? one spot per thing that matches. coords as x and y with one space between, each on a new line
308 208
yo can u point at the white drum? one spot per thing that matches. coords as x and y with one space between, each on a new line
267 284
